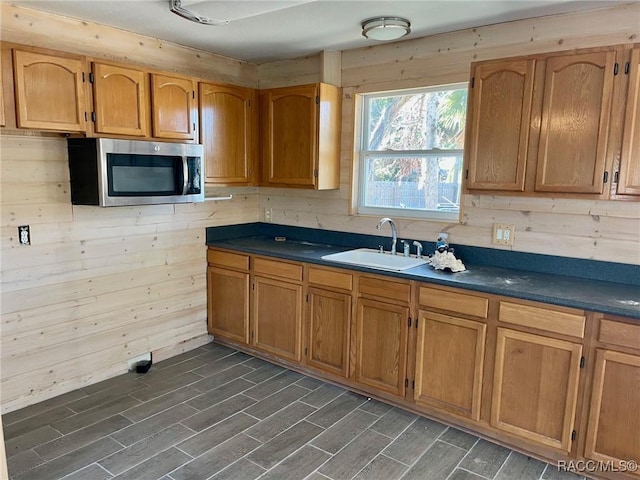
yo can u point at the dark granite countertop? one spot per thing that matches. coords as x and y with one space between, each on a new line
583 293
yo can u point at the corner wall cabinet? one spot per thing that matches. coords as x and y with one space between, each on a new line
557 382
628 182
49 91
3 119
300 136
550 124
229 130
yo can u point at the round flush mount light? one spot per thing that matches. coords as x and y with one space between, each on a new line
385 28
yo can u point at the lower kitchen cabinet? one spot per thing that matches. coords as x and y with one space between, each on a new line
449 363
535 387
328 320
228 304
277 317
381 346
329 327
614 421
522 359
228 295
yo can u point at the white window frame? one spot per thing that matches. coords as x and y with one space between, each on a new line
363 153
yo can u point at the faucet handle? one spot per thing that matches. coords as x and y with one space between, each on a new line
406 247
418 246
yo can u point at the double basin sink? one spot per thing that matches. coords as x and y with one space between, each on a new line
371 258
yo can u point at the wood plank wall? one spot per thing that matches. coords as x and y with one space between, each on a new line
601 230
97 286
27 26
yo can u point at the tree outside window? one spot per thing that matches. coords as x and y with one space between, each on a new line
411 152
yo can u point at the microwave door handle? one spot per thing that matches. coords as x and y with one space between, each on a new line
185 175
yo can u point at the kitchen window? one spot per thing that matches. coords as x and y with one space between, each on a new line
411 149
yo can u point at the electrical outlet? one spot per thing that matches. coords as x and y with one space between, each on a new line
267 215
24 235
503 234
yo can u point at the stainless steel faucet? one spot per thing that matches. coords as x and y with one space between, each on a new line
394 232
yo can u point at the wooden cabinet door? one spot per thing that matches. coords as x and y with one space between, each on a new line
502 92
449 363
277 317
575 122
329 327
121 99
629 175
228 304
3 122
173 107
228 131
49 92
290 128
535 386
381 346
614 420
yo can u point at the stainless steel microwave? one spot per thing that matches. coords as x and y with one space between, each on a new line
110 172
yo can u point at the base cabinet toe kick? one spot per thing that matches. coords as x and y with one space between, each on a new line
556 383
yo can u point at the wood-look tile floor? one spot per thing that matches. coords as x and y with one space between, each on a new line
215 413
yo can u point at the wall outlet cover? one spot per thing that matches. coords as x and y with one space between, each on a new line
503 234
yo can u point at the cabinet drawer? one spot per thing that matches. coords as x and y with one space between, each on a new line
454 302
618 333
227 259
385 288
330 278
277 268
555 321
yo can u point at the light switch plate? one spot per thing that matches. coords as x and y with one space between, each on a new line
503 234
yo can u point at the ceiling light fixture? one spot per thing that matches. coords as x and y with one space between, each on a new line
176 7
385 28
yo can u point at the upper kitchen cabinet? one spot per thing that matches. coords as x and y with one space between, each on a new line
173 107
49 91
501 93
3 120
228 131
300 136
542 124
121 100
574 130
629 173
